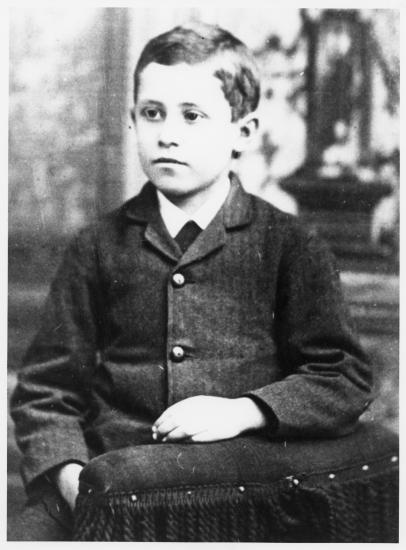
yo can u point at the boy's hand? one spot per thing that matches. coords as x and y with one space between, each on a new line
208 418
67 480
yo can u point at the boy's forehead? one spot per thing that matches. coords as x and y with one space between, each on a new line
181 83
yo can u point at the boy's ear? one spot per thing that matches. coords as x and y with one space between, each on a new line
248 127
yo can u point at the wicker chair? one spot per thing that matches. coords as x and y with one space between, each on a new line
246 489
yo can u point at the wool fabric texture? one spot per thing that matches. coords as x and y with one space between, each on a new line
260 314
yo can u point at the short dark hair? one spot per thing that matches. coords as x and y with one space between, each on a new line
198 42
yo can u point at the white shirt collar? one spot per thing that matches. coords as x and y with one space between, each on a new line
175 218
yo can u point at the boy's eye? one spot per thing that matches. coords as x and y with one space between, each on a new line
151 113
192 116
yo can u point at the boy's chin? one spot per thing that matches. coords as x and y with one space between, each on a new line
176 192
181 185
175 187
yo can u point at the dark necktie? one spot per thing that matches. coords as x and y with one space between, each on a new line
187 235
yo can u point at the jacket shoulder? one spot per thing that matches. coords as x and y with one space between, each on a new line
295 238
266 208
277 221
111 224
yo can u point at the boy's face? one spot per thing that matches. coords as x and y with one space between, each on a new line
184 129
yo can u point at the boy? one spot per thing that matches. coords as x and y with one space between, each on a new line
148 337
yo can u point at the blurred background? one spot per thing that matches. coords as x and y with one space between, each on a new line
327 151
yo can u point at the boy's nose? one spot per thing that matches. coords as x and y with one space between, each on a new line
169 135
162 142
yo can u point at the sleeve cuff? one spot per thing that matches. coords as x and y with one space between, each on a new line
272 422
46 452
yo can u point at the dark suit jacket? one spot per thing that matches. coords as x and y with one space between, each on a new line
260 314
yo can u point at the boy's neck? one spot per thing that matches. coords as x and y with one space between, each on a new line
190 204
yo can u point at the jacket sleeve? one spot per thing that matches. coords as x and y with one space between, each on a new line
49 402
328 379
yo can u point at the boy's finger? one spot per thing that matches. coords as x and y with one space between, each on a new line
177 434
170 412
165 427
165 416
203 437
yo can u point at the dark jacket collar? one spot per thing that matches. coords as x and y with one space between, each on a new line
236 212
237 209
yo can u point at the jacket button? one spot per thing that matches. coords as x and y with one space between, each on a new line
177 353
178 280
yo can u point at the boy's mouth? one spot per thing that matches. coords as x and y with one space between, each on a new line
166 160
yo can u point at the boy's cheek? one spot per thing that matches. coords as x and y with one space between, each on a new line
145 133
145 152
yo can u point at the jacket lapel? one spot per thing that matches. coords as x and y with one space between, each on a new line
237 211
144 209
209 240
